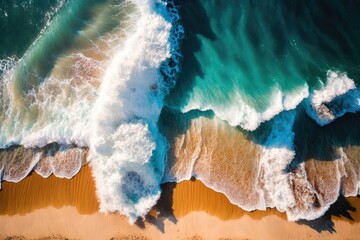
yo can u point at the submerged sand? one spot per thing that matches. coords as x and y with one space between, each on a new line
53 208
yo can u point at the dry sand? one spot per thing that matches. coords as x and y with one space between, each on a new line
53 208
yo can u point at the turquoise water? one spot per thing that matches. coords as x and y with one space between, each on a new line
242 52
21 21
66 34
284 73
91 79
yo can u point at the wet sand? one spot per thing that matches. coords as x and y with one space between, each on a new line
54 208
35 192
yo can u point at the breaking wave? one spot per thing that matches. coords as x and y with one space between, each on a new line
103 92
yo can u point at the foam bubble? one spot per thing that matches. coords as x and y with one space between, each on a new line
218 155
303 192
335 98
351 174
288 191
38 109
19 162
43 167
50 14
256 174
64 161
239 113
127 151
108 97
7 64
67 161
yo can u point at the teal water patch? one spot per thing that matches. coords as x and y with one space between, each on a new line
61 71
21 21
249 60
58 38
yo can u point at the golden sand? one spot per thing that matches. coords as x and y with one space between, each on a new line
189 196
35 192
53 208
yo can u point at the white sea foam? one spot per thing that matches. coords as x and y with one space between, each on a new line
339 91
278 186
55 109
239 113
7 64
50 14
59 112
62 161
127 151
337 84
336 97
17 169
275 184
289 190
350 184
66 162
277 155
43 167
116 116
39 110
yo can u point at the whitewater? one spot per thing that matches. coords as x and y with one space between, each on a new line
111 104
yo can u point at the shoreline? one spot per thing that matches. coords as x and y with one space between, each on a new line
68 209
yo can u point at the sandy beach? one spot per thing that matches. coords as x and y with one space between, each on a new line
53 208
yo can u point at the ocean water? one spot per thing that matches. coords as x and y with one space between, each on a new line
255 59
257 99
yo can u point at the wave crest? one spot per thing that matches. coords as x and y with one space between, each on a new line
335 98
127 150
